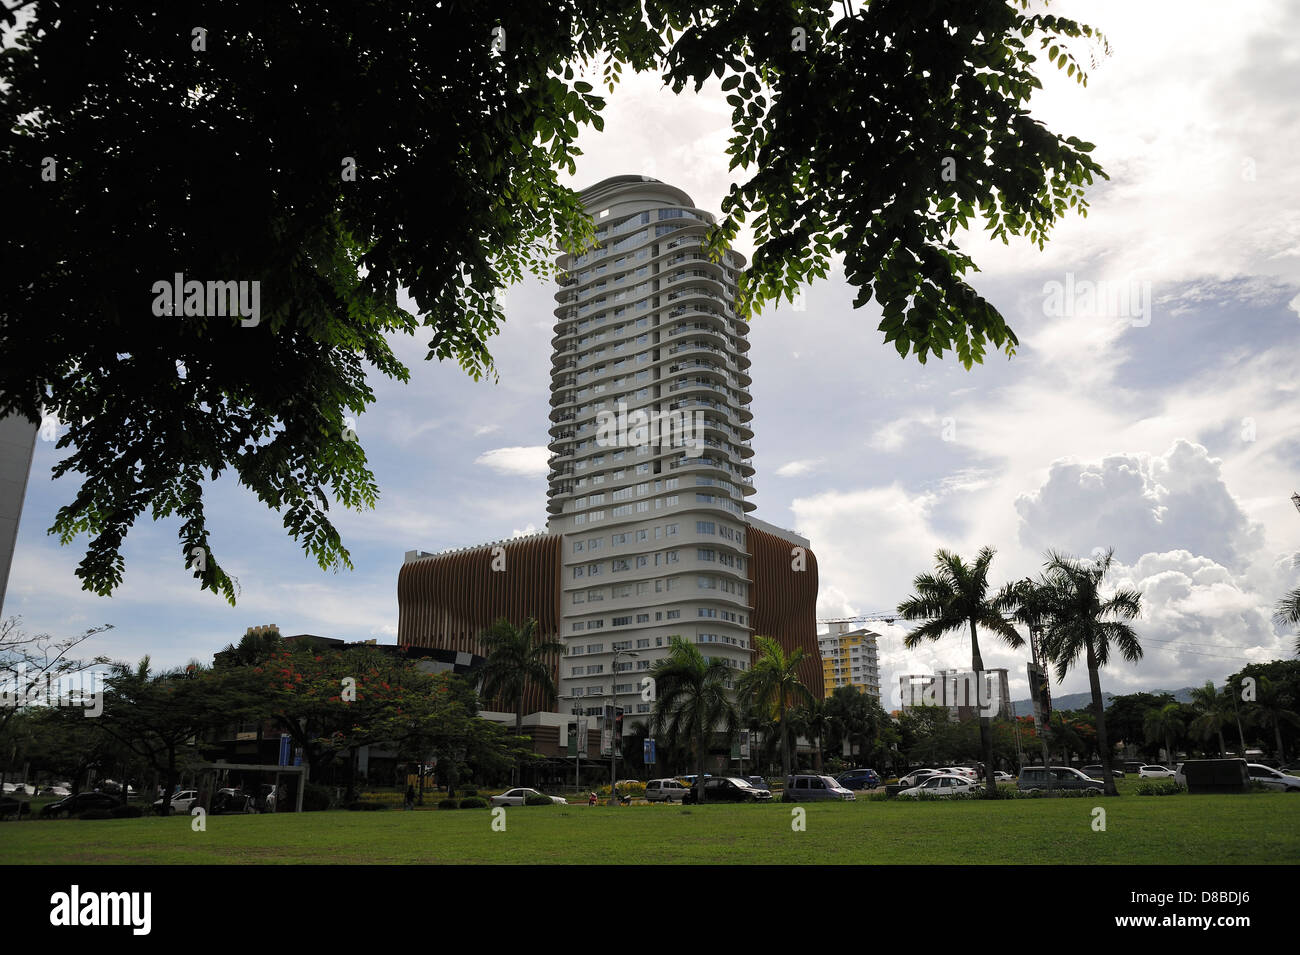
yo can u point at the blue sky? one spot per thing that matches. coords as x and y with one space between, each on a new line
1170 436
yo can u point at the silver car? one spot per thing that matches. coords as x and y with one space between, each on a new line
1273 779
1034 778
665 790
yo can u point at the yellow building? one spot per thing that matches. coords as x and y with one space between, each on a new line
850 658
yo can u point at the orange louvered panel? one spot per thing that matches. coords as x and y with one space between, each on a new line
785 599
448 600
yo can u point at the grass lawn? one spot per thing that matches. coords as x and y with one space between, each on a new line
1201 830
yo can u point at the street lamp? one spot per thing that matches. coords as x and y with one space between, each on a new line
613 741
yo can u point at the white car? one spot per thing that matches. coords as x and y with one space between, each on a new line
943 784
917 777
1002 777
21 788
1156 772
1272 778
182 802
516 797
963 771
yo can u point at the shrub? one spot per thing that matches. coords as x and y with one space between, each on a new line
1166 787
96 814
473 802
469 792
448 803
315 798
537 800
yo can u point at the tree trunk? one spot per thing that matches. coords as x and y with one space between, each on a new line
1277 728
1223 747
1094 681
519 728
986 726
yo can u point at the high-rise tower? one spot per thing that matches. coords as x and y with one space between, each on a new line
650 436
649 532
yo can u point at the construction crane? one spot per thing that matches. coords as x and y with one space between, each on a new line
888 616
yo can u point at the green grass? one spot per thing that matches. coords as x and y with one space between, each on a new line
1254 828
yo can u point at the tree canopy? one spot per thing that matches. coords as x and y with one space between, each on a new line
286 169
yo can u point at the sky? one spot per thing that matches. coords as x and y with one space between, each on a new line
1149 408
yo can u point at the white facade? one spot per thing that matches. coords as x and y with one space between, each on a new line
650 437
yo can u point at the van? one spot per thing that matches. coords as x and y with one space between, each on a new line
1033 778
665 790
809 788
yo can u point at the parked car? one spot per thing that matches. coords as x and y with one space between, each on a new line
1002 777
19 789
1132 766
665 790
942 784
725 789
516 797
1178 774
964 771
229 801
859 779
182 802
758 782
81 802
916 777
1155 772
1272 778
1033 778
809 788
1095 771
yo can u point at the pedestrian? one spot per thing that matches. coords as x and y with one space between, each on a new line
410 797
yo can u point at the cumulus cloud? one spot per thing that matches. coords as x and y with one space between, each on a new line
1139 503
529 462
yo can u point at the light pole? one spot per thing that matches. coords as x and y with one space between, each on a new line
614 742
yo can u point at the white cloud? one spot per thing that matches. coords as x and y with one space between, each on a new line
529 461
797 468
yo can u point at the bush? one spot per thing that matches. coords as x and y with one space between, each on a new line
315 798
469 792
126 812
448 803
537 800
473 802
359 806
96 814
1166 787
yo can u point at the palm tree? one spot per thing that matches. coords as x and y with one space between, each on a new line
1288 611
772 683
1270 711
517 658
1080 621
956 597
1164 724
816 722
1212 713
691 700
